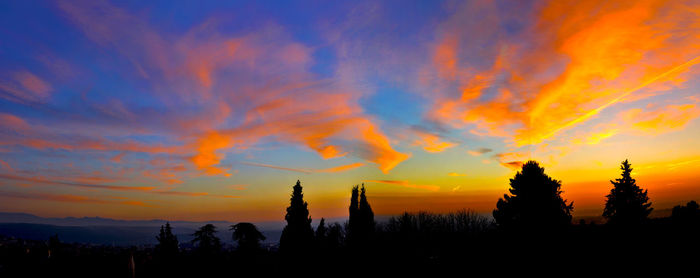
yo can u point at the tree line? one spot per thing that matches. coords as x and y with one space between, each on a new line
534 203
531 225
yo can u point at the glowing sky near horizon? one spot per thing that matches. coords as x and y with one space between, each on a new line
213 110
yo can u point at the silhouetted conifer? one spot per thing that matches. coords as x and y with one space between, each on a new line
627 204
366 214
206 241
535 201
361 223
354 211
168 244
247 236
298 235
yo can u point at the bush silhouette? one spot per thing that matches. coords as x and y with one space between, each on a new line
627 204
535 201
298 235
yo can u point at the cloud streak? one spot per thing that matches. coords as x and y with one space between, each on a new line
407 184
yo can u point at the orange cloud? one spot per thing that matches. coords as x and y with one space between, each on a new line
117 158
182 193
238 186
267 84
341 168
569 68
456 175
6 166
25 87
431 143
511 160
595 137
668 118
207 157
407 184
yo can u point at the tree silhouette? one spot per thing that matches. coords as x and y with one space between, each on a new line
321 235
361 224
688 215
354 211
247 236
206 241
335 236
298 235
627 204
366 214
535 201
167 241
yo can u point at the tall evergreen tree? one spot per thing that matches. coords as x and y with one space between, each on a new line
535 201
627 204
366 214
206 241
361 224
247 236
167 241
298 235
354 210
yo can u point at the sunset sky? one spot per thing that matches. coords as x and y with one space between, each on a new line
201 111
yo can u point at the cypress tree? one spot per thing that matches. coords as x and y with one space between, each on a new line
361 223
627 204
298 235
168 244
366 215
354 211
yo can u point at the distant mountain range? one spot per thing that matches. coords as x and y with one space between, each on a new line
98 230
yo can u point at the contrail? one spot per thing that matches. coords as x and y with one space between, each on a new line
593 112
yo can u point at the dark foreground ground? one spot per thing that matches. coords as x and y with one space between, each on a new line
416 250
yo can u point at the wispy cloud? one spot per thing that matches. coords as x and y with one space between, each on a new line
25 87
69 198
336 169
586 62
305 171
407 184
431 143
510 160
341 168
479 151
83 185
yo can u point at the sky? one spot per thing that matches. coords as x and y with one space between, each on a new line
212 110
